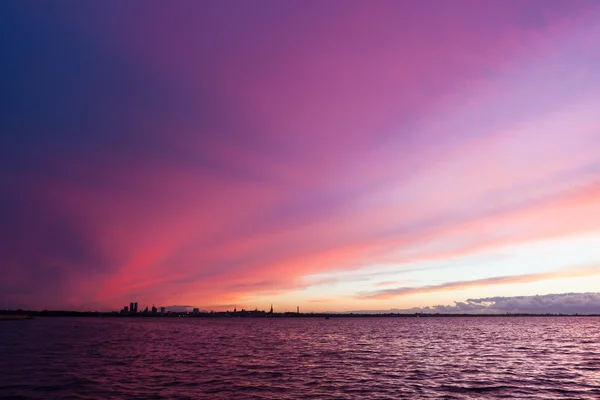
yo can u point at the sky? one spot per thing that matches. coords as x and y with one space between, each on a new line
329 155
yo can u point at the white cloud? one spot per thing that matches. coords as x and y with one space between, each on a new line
565 303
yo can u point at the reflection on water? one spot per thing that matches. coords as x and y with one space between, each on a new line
371 358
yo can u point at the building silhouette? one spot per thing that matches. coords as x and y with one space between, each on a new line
133 308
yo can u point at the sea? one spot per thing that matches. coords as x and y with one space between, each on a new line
301 358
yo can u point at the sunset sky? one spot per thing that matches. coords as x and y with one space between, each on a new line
332 155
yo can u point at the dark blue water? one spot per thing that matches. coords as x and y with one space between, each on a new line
366 358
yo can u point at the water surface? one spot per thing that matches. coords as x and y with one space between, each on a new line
346 358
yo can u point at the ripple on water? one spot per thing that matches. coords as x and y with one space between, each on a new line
354 358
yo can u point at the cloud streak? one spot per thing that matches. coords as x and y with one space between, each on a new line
498 280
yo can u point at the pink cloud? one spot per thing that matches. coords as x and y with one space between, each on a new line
318 140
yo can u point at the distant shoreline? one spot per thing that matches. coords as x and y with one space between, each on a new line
12 315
